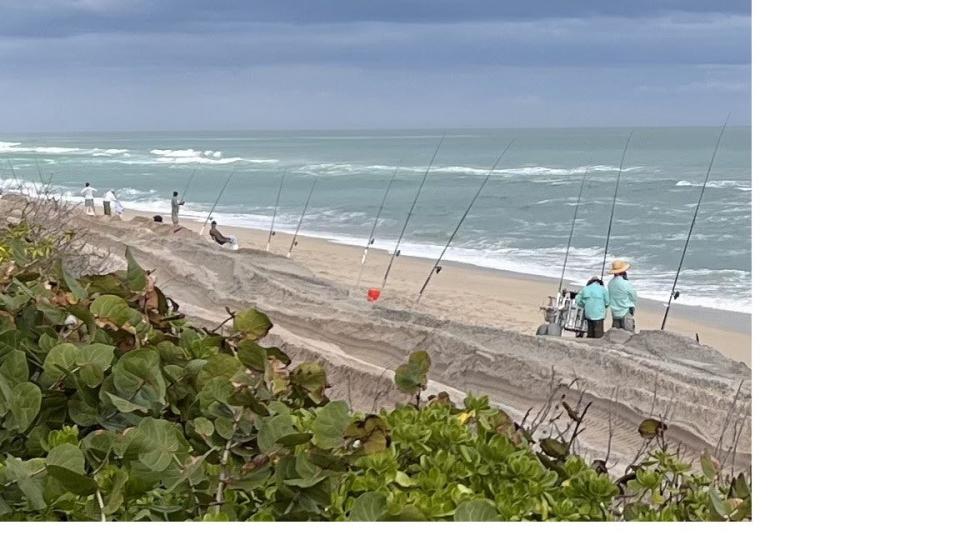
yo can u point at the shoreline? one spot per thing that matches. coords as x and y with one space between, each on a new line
517 295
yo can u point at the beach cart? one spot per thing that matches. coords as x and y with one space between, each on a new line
561 313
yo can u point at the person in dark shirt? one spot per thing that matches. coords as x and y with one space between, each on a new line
217 236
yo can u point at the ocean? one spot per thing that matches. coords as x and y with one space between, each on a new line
520 223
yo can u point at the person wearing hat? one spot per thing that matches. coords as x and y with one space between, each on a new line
594 300
623 297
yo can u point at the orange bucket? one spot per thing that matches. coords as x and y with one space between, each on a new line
373 295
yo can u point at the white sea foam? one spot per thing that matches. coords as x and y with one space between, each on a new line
18 148
738 184
532 171
205 157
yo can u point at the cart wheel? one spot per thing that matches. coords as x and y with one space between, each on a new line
543 330
553 329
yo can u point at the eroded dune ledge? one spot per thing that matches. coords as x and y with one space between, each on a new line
701 392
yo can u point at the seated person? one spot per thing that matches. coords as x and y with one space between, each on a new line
217 236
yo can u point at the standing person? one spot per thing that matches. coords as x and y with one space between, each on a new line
175 205
109 201
87 193
594 300
623 297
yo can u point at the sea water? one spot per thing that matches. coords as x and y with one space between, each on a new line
521 221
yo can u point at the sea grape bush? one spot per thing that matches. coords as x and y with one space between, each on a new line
113 407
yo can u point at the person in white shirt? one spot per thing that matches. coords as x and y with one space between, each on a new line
110 203
87 193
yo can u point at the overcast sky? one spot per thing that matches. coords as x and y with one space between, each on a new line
71 65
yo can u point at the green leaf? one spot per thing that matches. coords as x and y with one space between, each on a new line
371 506
170 353
111 308
67 456
93 361
136 277
203 426
252 324
220 365
709 464
137 377
79 292
411 377
553 448
125 406
157 441
74 482
272 430
13 366
329 423
25 476
651 428
311 379
477 510
252 355
403 480
23 406
293 439
59 361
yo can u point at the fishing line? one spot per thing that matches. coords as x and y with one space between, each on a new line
183 194
376 220
396 249
436 265
293 242
673 290
616 190
276 206
573 224
216 202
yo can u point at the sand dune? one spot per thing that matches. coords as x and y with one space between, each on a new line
628 377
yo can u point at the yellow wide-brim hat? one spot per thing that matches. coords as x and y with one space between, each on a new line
617 267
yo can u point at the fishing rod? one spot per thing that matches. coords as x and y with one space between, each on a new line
616 190
396 249
183 194
305 205
376 220
573 224
673 290
216 202
436 266
15 177
276 207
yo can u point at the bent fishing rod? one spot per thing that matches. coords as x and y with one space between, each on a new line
566 255
613 208
396 249
306 204
436 266
216 202
673 290
276 206
376 221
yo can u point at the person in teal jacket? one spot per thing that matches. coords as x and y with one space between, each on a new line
623 297
594 300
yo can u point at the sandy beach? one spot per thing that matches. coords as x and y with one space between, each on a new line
476 295
477 325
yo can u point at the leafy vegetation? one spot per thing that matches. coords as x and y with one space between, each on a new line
113 407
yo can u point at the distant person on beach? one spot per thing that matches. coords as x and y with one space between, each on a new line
109 202
221 238
175 205
87 193
594 300
623 297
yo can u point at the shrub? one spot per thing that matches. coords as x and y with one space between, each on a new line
113 407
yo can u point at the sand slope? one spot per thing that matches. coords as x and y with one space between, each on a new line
650 372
